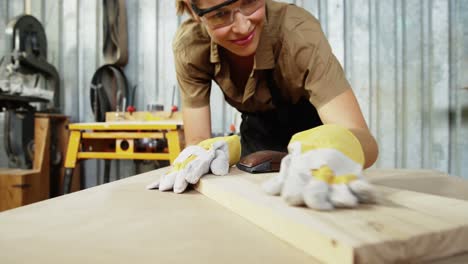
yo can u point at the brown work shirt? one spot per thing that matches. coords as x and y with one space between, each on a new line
291 43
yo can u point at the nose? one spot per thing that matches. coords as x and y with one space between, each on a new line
241 23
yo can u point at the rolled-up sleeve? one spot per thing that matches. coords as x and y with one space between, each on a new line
193 69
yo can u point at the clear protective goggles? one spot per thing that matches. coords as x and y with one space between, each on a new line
223 14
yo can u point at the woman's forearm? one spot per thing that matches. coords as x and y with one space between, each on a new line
369 145
197 124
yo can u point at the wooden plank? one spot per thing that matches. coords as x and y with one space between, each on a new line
90 226
122 222
404 226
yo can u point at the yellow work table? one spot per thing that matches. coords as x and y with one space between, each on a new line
117 140
121 222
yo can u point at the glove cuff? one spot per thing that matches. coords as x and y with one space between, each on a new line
329 136
233 146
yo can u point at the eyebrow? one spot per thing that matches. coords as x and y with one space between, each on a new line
201 12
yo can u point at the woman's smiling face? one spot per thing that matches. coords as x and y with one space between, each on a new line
240 33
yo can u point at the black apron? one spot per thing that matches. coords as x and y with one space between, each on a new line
273 129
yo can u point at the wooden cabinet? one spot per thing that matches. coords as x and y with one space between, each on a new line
21 187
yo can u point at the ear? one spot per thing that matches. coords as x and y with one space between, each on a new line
192 13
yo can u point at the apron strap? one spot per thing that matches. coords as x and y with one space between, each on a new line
272 129
276 97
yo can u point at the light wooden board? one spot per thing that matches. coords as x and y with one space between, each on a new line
122 222
405 226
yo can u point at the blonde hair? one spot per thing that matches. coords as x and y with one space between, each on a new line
182 7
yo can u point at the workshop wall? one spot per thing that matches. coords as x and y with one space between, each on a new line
406 60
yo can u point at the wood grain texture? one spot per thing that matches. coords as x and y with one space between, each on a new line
405 226
122 222
12 189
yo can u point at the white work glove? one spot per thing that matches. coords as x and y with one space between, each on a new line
323 170
215 154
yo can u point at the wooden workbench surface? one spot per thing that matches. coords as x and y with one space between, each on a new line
127 125
121 222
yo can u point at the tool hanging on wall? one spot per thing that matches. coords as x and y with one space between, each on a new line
109 86
115 45
109 91
28 83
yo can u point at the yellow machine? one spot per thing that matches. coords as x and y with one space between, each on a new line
121 140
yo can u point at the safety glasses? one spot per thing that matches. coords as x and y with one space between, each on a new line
223 14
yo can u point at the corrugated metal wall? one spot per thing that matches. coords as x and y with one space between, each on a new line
407 61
